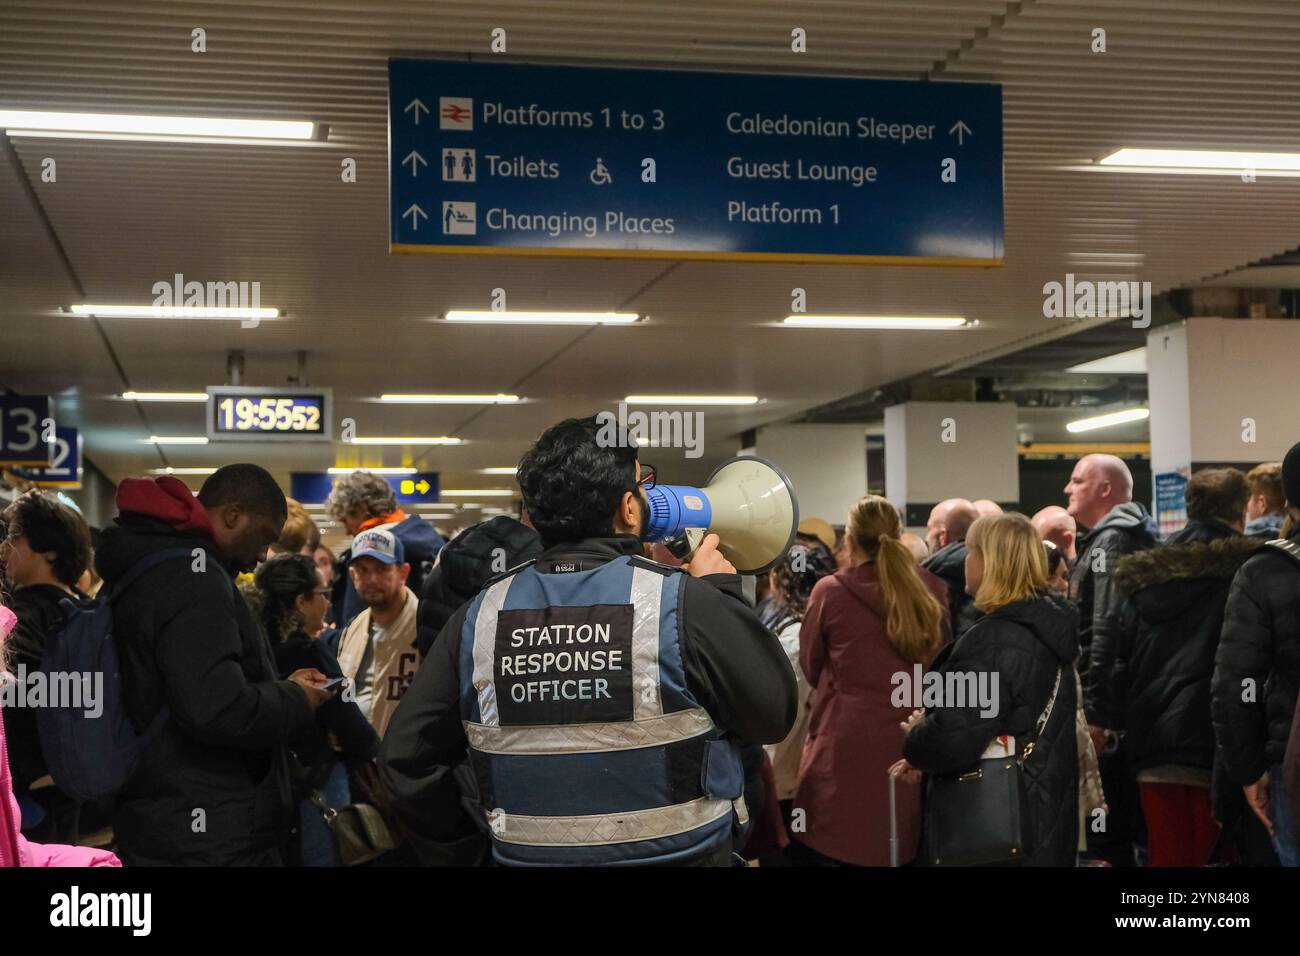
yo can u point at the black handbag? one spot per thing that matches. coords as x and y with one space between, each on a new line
981 817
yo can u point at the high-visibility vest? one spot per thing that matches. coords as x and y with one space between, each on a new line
586 744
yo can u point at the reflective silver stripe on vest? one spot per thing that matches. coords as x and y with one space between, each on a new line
485 637
601 829
647 586
589 738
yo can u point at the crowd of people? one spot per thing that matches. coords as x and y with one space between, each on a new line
554 690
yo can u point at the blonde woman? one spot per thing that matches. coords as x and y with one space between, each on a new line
1027 641
879 617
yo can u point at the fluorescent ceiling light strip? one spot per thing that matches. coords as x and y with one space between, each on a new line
1202 159
173 312
691 400
1112 418
480 492
175 440
1132 362
417 399
1173 171
182 471
544 318
153 125
407 440
373 471
165 396
926 322
504 470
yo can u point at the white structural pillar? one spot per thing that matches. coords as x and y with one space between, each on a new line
827 464
1221 393
938 450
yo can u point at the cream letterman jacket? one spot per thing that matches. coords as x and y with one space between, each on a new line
395 661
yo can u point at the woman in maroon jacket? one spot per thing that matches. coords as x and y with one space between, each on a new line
865 625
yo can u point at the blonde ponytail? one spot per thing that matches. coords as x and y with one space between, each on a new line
914 618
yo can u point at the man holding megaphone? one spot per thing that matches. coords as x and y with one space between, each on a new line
601 696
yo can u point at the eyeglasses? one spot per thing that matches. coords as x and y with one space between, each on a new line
648 477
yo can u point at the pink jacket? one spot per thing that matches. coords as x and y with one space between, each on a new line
14 849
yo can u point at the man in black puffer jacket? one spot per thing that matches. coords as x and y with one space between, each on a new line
1100 494
212 788
1154 660
1257 674
464 565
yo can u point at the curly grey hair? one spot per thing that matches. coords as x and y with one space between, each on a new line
361 492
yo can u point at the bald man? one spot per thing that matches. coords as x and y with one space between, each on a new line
946 536
1100 493
949 522
987 506
1054 524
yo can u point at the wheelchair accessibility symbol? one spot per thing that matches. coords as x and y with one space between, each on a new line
600 175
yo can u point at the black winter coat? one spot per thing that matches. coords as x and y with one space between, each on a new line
1125 528
949 563
1153 661
338 716
1025 644
188 641
465 563
1258 659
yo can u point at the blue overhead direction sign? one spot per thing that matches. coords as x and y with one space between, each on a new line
313 487
521 159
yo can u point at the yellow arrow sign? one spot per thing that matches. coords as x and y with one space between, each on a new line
423 486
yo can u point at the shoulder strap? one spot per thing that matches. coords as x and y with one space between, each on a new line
134 572
1286 546
666 570
1046 715
509 572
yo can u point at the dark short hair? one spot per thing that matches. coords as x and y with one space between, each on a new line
249 486
1217 493
50 525
574 478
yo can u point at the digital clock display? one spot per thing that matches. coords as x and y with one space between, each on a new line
236 412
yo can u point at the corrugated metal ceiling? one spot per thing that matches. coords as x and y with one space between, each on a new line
1186 73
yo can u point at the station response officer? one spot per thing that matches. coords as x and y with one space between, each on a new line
588 707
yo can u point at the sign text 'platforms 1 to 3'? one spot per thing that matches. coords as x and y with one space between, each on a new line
543 160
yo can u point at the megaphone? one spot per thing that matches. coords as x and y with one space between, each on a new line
748 502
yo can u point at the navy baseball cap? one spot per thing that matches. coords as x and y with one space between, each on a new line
383 546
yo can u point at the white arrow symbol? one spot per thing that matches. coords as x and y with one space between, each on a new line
415 212
413 158
960 128
418 106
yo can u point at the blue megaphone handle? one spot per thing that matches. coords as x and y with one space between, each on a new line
673 509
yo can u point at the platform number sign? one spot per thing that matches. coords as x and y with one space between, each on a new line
64 469
25 438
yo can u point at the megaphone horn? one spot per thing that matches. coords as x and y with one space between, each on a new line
748 502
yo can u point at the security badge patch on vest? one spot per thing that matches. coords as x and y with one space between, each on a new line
564 665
